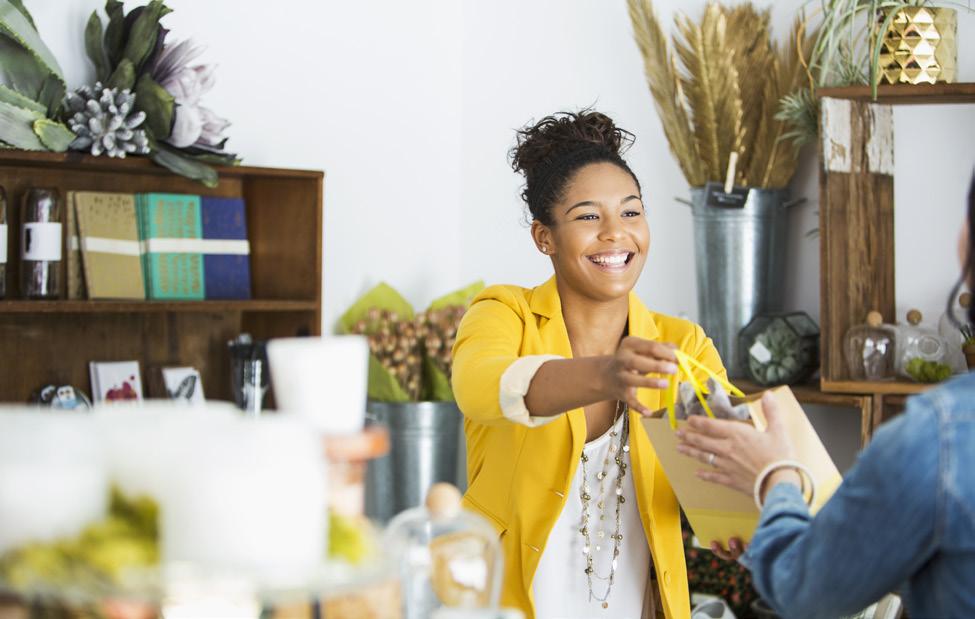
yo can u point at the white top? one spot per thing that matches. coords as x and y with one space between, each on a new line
560 586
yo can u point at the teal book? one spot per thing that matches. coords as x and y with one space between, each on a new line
170 229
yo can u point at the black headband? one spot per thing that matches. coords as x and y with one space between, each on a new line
560 165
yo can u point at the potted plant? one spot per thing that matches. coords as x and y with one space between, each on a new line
717 87
860 42
409 391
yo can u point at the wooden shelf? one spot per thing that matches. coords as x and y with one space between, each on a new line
53 342
808 393
873 387
905 94
84 307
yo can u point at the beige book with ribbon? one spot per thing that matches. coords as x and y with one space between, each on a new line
716 512
109 243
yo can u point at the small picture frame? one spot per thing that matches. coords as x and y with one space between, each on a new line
113 382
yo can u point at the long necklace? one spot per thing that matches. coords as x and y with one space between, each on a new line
615 450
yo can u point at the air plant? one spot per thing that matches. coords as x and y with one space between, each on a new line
845 52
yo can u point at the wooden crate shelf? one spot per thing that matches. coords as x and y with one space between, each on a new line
871 387
905 94
53 341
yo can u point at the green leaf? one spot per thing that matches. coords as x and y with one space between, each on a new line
23 10
382 296
141 40
20 30
8 95
95 49
182 165
53 135
158 105
17 127
51 95
123 77
462 297
383 387
115 31
437 385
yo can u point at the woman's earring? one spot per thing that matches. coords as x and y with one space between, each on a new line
545 249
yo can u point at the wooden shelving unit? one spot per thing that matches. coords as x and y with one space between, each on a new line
856 223
52 341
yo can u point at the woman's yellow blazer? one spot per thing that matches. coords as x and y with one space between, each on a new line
519 476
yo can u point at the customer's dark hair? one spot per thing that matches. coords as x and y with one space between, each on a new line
968 268
550 151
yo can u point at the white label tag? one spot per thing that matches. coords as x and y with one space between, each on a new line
760 353
40 241
3 243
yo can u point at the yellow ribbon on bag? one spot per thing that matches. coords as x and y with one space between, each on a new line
685 364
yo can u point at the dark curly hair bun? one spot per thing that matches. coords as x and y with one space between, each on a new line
549 152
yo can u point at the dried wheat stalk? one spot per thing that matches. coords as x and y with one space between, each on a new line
724 96
661 71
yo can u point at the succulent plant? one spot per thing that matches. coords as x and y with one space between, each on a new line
105 123
924 371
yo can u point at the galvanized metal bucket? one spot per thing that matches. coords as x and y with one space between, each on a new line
740 258
425 447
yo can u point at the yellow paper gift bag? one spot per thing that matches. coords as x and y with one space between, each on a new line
717 512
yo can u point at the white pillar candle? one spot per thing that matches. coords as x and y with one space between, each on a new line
53 480
323 379
248 500
139 439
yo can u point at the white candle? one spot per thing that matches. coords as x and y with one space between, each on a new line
53 479
323 379
248 500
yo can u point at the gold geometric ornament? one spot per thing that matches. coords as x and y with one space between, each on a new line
919 46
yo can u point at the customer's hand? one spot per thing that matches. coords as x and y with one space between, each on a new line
736 451
627 370
735 549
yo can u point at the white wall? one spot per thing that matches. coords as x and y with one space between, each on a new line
410 108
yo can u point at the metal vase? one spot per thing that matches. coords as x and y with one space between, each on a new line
424 448
740 262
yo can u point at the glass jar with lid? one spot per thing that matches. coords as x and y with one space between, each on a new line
922 354
451 557
3 243
869 349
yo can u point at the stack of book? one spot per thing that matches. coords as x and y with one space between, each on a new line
156 246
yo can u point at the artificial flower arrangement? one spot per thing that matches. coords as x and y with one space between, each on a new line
146 100
410 352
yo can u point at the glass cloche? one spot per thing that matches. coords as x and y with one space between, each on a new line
780 349
869 349
451 557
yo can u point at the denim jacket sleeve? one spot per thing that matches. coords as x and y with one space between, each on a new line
879 527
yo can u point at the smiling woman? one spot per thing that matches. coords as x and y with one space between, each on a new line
552 381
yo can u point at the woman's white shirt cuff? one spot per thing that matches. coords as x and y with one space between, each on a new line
514 387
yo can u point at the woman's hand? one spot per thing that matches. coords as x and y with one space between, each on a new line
736 452
626 371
